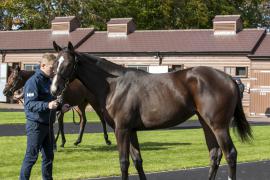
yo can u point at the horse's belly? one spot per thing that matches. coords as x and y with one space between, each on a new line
164 120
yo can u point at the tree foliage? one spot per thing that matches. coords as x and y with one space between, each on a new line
148 14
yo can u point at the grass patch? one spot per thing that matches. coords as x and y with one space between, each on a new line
161 150
19 117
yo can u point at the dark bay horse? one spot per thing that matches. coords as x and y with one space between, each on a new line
136 100
16 80
75 95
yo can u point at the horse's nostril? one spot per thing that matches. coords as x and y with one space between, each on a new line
54 91
7 93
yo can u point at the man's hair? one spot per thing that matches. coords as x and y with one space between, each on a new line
48 57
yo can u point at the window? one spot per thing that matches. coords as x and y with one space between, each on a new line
30 67
236 71
241 71
141 67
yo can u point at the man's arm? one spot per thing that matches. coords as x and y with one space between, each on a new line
31 101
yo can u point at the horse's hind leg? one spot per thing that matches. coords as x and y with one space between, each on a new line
81 113
215 152
136 155
123 144
228 149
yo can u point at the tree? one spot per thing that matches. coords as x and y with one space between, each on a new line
265 11
148 14
9 10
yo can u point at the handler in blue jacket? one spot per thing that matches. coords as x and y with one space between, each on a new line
40 108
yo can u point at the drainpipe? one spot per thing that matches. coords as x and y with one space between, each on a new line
159 57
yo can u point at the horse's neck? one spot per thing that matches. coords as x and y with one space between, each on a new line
116 69
112 68
94 78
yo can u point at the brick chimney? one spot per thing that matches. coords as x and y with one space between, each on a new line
64 25
120 27
227 24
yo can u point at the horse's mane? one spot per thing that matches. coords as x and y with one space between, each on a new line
108 66
28 71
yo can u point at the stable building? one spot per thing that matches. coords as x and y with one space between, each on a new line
260 79
227 47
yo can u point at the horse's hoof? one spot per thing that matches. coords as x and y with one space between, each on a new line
62 145
108 142
54 148
76 143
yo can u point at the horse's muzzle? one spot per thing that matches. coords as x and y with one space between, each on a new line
7 93
55 92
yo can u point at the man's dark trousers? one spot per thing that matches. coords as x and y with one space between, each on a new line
38 139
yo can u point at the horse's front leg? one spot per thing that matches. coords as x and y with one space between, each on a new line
103 122
106 137
123 143
61 128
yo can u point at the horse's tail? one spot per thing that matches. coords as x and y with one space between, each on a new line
240 122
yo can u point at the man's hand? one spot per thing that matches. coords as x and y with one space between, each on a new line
53 104
65 108
18 96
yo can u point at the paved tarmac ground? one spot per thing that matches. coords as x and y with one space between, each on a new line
245 171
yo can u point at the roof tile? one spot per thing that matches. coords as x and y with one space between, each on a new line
264 48
39 39
183 41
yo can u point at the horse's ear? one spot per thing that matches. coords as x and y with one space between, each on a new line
70 46
56 47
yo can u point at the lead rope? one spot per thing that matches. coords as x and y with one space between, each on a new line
50 129
20 100
60 101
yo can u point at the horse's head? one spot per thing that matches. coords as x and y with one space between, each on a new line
64 68
15 82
